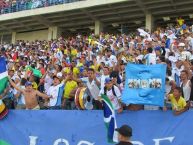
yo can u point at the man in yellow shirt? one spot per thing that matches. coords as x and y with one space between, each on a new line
178 102
70 84
180 21
74 52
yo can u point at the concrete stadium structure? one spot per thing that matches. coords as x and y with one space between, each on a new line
92 15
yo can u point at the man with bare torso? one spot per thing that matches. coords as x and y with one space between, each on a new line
30 95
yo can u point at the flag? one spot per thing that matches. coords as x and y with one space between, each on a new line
109 119
37 73
145 84
3 74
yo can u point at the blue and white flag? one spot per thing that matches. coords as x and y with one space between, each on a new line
145 84
109 119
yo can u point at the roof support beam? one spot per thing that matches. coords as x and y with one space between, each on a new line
89 14
43 20
142 6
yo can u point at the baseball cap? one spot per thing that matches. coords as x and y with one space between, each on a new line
107 80
59 76
125 130
28 83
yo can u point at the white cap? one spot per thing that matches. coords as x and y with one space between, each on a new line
59 75
181 44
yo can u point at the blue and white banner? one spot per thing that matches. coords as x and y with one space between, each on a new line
52 127
145 84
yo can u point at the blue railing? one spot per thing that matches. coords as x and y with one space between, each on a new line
33 4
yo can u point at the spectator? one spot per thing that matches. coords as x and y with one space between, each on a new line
30 95
185 85
113 93
70 84
124 135
179 104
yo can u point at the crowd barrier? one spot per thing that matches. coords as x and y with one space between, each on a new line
57 127
27 5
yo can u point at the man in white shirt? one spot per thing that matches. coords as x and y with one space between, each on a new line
104 76
93 85
112 58
113 93
185 55
91 82
56 93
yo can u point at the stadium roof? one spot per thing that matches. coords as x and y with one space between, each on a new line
83 14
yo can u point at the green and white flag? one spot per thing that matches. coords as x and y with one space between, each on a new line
3 74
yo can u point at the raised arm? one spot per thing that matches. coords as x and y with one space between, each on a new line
42 95
98 83
14 85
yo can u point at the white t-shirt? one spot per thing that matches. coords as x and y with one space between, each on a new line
150 58
92 86
114 99
112 59
54 92
186 55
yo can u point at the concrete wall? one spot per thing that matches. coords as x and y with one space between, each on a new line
34 35
5 38
58 8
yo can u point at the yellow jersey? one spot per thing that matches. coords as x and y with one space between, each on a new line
177 105
69 86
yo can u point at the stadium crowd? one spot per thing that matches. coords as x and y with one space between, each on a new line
49 74
10 6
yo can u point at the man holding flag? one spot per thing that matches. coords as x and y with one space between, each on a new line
110 96
109 119
113 93
124 132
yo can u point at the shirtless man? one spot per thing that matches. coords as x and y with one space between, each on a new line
30 95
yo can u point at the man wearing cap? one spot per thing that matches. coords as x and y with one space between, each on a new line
30 95
113 93
185 55
54 91
124 135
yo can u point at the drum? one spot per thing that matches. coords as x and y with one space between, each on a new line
76 99
83 100
3 110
